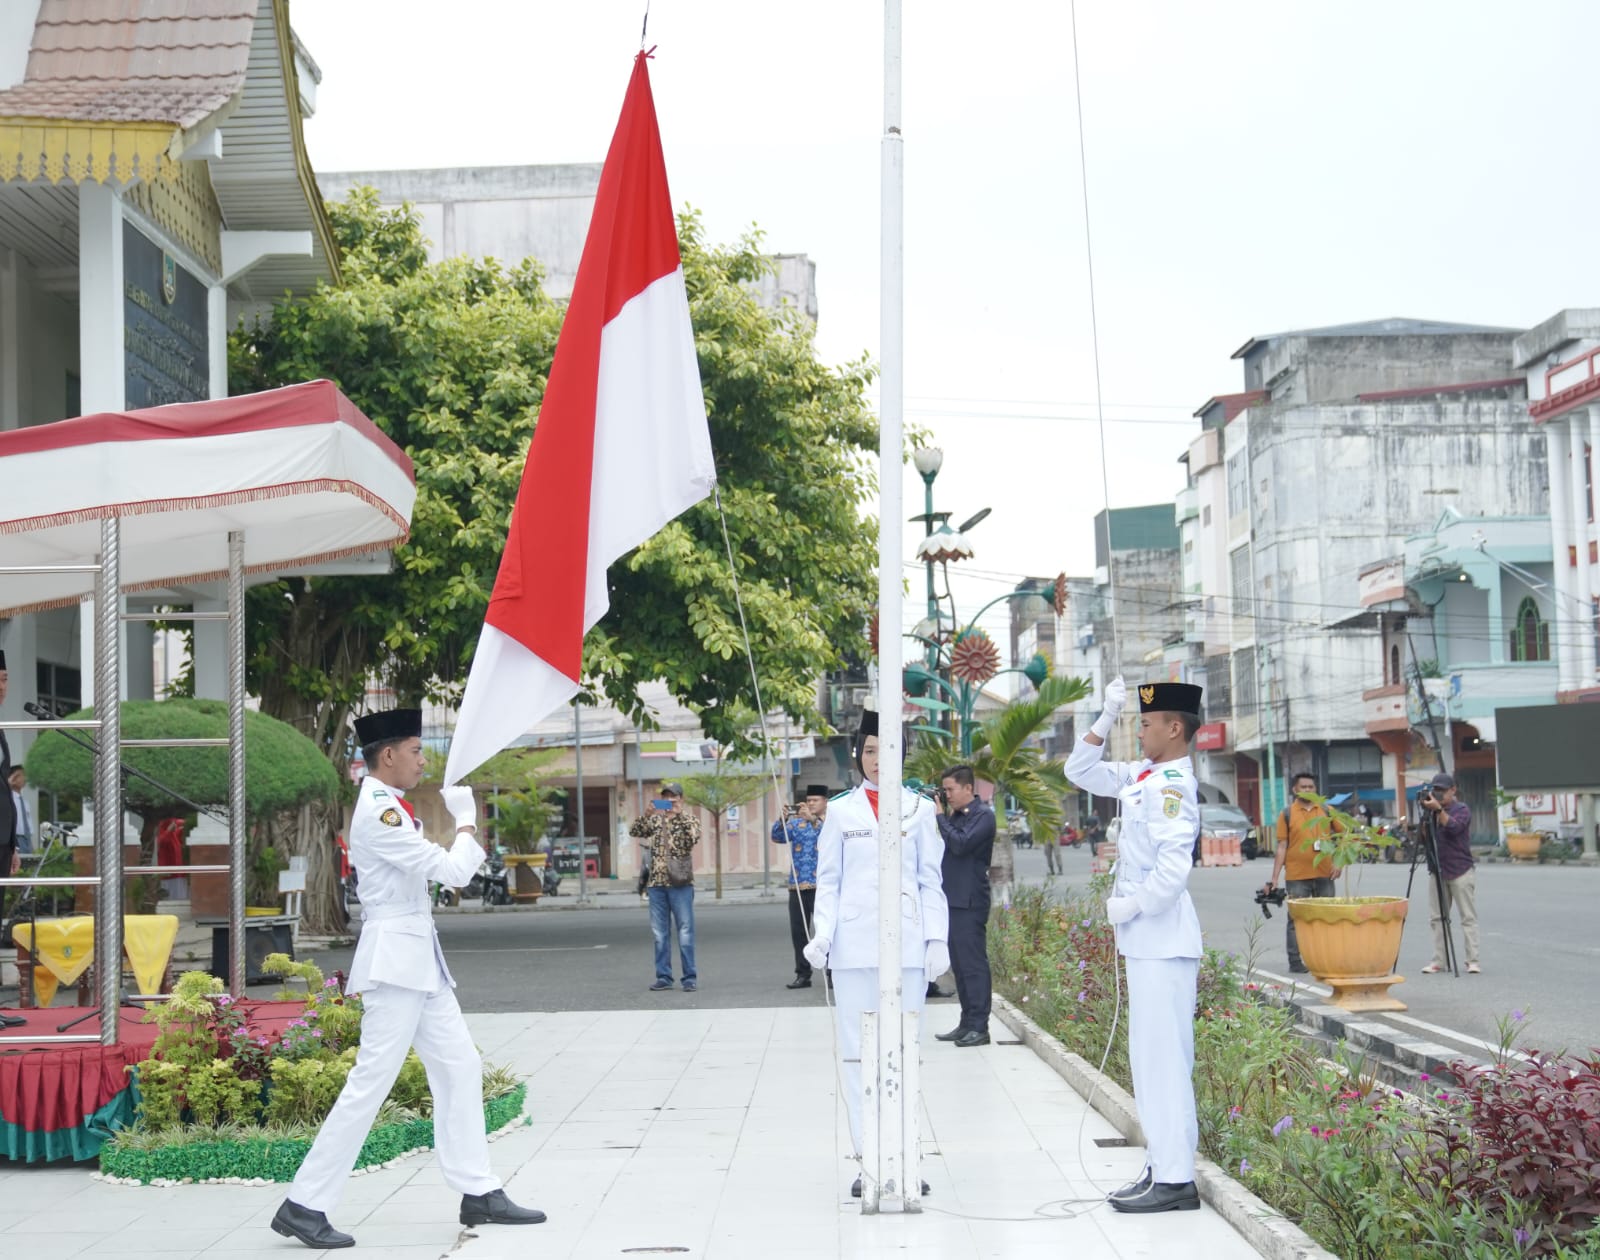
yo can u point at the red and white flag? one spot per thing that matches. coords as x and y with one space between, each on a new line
621 447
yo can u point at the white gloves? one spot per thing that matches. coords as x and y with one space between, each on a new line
1121 909
937 961
463 808
1115 700
816 952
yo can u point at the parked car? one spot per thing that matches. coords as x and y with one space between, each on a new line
1228 820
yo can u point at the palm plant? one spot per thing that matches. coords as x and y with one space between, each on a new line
1001 754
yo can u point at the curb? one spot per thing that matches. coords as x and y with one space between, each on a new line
1266 1229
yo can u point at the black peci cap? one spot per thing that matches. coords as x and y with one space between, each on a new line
378 728
817 789
3 659
1170 698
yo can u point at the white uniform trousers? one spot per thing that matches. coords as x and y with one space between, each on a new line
855 991
1161 999
394 1021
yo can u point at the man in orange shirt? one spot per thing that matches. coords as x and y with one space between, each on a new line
1302 855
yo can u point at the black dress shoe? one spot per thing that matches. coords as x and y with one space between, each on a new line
1299 969
935 991
1134 1188
799 982
1161 1196
972 1037
311 1228
495 1208
955 1034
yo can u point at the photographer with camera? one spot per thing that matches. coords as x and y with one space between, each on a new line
1451 824
799 828
1302 828
671 835
967 824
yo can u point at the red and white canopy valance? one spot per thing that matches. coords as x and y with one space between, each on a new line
300 470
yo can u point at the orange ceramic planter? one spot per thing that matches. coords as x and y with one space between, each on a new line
1351 943
1523 845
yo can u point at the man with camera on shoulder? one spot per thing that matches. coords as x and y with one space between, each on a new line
1451 822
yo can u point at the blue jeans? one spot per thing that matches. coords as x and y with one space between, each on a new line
676 904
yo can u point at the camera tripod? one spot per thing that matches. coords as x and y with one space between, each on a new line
1427 849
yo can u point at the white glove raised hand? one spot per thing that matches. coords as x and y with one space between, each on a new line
937 961
1112 705
816 952
463 808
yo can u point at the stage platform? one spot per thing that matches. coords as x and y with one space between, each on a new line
60 1102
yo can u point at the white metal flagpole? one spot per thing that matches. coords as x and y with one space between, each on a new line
889 1171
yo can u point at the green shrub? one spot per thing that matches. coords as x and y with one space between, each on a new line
305 1090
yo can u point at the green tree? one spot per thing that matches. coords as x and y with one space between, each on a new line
1001 755
283 769
718 793
450 359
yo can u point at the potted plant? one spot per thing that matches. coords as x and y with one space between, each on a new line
1351 942
1522 841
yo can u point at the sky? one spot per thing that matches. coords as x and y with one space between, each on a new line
1252 166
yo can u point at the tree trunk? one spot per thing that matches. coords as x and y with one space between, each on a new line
716 828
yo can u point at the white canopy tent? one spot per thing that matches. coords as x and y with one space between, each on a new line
144 500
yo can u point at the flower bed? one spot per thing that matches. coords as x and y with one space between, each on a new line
1506 1163
218 1100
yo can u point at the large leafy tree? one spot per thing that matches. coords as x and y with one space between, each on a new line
450 359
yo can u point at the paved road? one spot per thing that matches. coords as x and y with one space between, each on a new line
1539 946
1540 950
602 959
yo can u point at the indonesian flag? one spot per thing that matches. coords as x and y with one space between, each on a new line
621 447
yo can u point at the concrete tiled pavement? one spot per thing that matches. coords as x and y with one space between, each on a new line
714 1131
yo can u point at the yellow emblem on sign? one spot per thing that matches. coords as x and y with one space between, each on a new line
390 816
1147 694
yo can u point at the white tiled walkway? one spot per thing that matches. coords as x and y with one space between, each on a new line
717 1132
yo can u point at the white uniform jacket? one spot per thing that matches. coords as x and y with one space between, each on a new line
847 881
394 863
1155 852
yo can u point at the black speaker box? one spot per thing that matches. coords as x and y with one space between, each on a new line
260 939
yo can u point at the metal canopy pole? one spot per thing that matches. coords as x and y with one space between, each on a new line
583 840
889 1175
108 779
236 806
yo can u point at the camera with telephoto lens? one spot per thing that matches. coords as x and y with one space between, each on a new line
1266 899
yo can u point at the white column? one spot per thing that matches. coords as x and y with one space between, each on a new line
101 358
1592 530
1564 610
217 334
1583 585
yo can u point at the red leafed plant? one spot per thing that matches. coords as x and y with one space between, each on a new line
1526 1131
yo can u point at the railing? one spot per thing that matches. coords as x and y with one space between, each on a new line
107 780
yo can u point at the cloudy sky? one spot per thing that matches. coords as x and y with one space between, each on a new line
1253 166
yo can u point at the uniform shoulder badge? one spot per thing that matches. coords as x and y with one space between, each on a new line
379 793
842 795
1172 774
390 817
1171 801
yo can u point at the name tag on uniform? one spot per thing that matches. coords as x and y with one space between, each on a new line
861 833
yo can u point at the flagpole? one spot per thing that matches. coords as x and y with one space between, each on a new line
889 1173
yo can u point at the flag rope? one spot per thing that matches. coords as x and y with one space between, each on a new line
777 785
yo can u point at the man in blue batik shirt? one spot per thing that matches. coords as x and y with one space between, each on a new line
799 829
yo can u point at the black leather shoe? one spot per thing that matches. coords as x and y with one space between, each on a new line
495 1208
955 1034
934 991
311 1228
1299 969
1134 1188
1161 1196
972 1037
799 982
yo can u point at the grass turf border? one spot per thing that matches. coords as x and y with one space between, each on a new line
278 1159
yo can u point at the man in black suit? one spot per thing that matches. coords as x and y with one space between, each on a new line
967 825
10 861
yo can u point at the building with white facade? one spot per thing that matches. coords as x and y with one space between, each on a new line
154 184
1558 360
1345 442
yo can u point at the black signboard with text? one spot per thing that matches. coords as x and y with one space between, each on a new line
165 326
